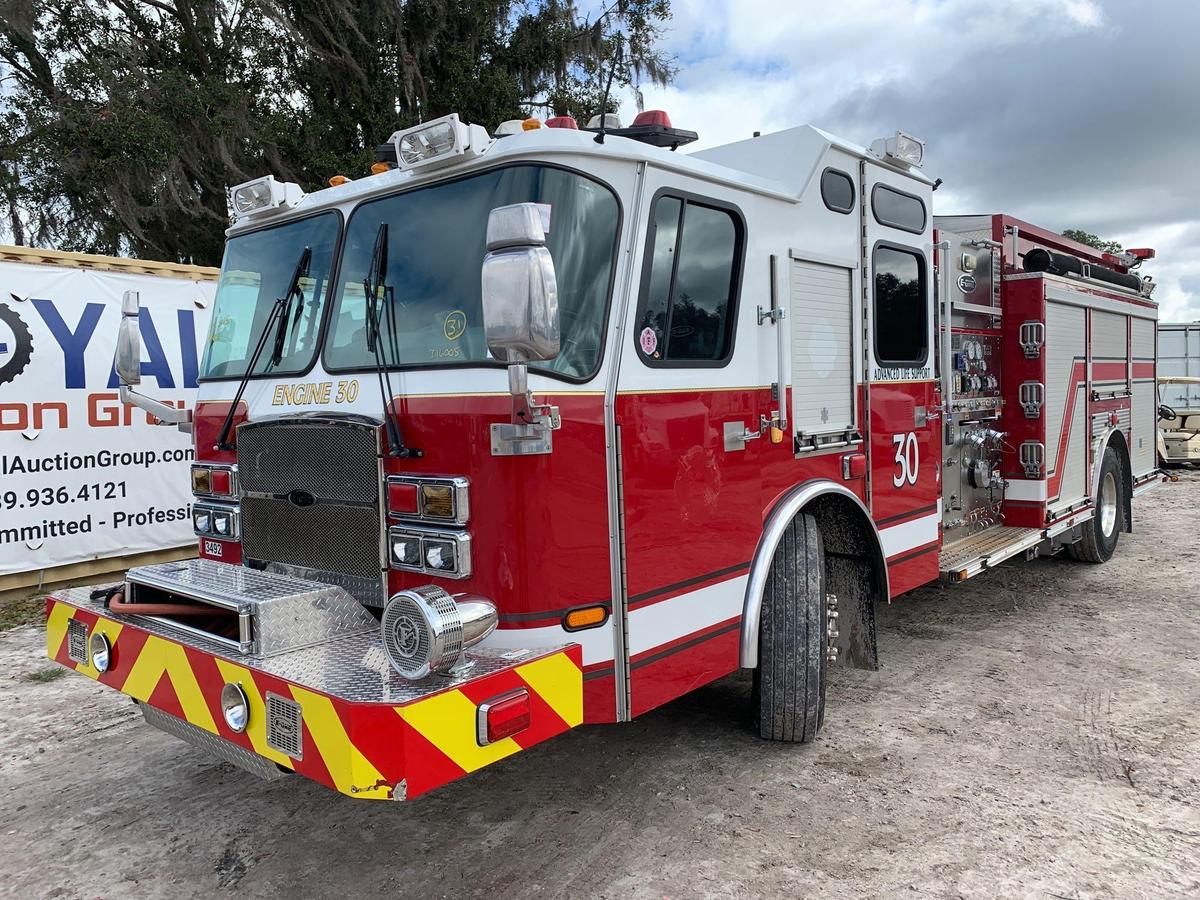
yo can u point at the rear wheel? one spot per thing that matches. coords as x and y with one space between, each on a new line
789 683
1100 535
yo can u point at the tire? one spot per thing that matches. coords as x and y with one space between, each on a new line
1101 533
789 683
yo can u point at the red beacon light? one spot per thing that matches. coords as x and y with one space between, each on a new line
562 122
656 117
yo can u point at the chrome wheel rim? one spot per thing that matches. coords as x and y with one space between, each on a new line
1108 504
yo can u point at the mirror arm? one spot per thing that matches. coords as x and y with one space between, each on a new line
164 412
525 410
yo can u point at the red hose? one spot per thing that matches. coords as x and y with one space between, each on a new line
118 605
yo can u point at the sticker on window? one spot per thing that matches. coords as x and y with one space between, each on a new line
649 341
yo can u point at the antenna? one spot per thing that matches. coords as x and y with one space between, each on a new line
607 87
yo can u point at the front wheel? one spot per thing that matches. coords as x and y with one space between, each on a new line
789 683
1100 535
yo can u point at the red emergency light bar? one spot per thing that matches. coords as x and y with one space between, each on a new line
653 126
562 122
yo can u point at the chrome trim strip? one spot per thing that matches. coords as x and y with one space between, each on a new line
616 530
781 516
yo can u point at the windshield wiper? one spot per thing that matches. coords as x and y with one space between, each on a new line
278 311
373 281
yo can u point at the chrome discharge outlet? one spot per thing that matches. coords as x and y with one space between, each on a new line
425 630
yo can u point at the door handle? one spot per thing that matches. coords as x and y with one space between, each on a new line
737 434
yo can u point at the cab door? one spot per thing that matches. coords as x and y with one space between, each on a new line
903 402
689 402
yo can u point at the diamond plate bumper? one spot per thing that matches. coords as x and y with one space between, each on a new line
363 730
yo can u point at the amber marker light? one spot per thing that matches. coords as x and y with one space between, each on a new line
338 180
531 124
379 168
437 501
582 617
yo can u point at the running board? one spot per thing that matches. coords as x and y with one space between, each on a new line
976 553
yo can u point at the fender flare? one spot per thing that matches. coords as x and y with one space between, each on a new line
777 522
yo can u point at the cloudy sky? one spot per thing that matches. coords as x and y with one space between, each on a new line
1066 113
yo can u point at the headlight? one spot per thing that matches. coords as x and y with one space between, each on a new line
445 553
425 630
235 707
406 550
100 652
439 555
215 520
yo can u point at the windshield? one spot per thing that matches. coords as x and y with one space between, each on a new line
436 245
257 269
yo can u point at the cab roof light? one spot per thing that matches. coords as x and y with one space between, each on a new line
900 147
253 198
533 123
439 142
611 121
562 122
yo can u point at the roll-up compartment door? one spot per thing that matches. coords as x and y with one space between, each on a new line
822 364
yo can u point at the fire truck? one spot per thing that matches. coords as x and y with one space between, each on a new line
550 427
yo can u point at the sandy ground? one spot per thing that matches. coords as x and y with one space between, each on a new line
1035 732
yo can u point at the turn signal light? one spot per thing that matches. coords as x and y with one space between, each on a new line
503 716
201 480
215 480
585 617
437 501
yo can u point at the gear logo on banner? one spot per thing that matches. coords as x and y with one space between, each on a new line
16 344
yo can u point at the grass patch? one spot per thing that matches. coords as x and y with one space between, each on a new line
44 676
27 609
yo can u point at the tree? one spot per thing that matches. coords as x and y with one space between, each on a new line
1086 237
129 119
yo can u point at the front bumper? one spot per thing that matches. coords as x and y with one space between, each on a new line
338 713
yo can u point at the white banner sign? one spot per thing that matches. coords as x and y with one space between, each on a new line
81 476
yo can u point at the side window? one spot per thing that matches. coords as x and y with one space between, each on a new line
689 290
897 209
837 190
901 312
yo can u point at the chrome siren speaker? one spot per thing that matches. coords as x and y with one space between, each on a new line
425 630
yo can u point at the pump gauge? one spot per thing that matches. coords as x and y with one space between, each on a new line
970 348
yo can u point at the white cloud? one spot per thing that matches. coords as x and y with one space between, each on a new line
1068 113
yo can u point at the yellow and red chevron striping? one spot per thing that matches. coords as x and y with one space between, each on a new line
366 750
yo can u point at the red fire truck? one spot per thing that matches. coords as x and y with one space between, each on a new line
554 426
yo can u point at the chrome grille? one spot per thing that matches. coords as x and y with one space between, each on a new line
325 536
77 640
285 726
310 501
332 459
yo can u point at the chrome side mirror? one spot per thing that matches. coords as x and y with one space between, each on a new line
520 291
520 320
128 360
